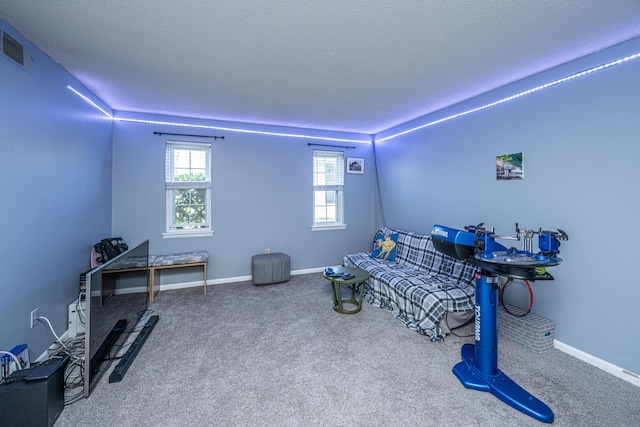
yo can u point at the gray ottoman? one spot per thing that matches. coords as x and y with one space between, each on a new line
270 268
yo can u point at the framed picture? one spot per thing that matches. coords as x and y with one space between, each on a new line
355 165
510 166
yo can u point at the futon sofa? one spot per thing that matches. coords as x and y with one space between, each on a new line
426 290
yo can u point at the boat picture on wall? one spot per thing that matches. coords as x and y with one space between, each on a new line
510 166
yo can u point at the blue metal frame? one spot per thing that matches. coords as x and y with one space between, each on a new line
479 367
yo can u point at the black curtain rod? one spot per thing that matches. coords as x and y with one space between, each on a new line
186 134
328 145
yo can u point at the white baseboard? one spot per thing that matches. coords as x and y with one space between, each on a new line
225 280
310 270
617 371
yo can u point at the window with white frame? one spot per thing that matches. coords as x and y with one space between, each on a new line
188 188
328 187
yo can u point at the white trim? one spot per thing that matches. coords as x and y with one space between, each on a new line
236 279
617 371
188 144
228 280
311 270
180 234
328 227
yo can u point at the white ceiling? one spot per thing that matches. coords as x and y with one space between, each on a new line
352 65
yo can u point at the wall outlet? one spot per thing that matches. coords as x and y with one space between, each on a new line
33 319
267 250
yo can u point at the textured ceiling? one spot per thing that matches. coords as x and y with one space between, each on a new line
360 66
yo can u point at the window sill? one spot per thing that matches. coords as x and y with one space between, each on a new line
187 234
328 227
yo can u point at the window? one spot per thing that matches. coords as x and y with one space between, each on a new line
328 185
188 187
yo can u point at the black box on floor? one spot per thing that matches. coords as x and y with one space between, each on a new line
34 396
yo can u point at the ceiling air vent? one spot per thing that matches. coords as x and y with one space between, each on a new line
12 48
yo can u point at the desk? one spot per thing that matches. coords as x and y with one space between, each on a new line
361 276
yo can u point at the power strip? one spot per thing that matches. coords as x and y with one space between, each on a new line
9 364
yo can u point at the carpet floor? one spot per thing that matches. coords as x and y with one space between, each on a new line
279 355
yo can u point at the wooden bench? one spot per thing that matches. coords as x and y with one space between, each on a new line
164 262
156 263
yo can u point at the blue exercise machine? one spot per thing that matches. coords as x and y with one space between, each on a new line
478 369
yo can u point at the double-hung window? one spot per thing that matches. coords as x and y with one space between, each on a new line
188 189
328 187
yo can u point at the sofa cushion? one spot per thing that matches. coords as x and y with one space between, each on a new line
416 251
385 245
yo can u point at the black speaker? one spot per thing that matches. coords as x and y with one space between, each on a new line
34 396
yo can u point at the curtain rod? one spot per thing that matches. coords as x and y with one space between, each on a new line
186 134
328 145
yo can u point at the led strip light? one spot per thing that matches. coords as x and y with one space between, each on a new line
518 95
229 129
303 136
220 128
90 102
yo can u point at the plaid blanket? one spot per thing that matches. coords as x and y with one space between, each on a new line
420 285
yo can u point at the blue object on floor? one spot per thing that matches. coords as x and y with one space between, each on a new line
479 367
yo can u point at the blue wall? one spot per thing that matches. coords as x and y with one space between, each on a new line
56 195
71 177
261 196
581 151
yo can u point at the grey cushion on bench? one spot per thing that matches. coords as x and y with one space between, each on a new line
159 260
127 262
178 259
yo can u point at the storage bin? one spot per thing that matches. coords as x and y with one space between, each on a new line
533 331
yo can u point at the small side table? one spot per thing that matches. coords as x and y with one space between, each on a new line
361 276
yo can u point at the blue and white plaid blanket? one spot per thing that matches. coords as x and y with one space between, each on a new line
420 285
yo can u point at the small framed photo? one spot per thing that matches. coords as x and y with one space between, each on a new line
355 165
510 166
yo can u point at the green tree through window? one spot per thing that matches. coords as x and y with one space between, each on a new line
188 185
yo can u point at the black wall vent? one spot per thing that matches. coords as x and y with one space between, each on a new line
12 49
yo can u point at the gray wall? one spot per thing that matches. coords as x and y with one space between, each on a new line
56 195
581 149
261 196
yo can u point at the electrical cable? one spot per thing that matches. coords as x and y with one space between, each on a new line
143 314
375 168
446 314
52 331
81 314
15 358
528 310
74 371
